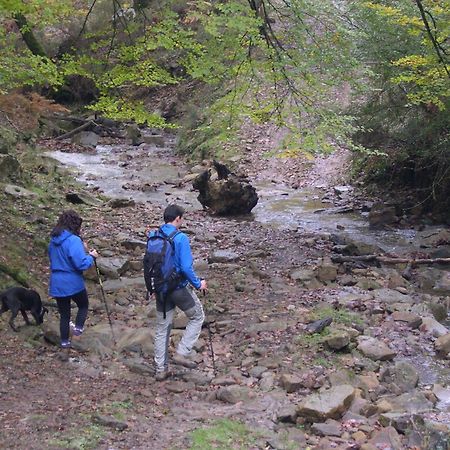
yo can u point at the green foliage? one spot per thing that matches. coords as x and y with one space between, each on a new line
424 72
338 315
80 439
405 113
312 340
224 434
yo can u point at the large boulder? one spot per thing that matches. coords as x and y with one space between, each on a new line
224 192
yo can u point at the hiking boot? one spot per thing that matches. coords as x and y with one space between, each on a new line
65 344
184 361
161 376
77 331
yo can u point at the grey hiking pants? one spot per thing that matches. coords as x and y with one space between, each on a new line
185 299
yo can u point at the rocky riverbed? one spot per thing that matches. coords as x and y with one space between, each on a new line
307 352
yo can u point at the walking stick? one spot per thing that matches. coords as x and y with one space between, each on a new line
211 349
104 301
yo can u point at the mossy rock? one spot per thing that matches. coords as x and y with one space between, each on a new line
8 139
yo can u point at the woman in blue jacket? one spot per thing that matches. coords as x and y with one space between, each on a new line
68 259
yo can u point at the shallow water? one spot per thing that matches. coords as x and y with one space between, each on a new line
153 174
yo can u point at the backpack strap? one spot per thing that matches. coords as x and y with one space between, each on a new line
170 237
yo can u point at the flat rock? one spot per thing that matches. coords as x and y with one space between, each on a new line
410 402
233 394
112 267
267 326
400 378
411 319
124 283
18 191
332 403
389 296
375 349
223 256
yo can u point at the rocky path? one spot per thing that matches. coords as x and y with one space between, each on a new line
372 375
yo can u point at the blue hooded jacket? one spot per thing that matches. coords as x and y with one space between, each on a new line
183 256
68 259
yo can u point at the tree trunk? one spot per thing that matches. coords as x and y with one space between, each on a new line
28 36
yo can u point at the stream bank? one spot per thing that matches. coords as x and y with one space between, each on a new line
359 383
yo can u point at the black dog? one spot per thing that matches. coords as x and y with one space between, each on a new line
17 299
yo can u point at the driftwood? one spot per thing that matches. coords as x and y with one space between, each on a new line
390 260
76 130
73 119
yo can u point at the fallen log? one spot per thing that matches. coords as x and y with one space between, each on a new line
74 119
389 260
76 130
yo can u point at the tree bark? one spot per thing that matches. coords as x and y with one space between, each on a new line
28 36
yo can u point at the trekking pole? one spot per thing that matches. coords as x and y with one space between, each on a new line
211 349
104 301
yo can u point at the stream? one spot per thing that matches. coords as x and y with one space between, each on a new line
154 174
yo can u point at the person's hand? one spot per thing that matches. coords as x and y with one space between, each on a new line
93 253
85 246
203 286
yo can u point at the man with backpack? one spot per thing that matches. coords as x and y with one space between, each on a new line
168 270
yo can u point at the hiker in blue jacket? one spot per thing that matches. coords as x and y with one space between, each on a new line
68 259
183 297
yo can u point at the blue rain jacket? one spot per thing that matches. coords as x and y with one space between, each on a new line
68 259
183 256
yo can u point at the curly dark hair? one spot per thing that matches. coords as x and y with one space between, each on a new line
69 220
